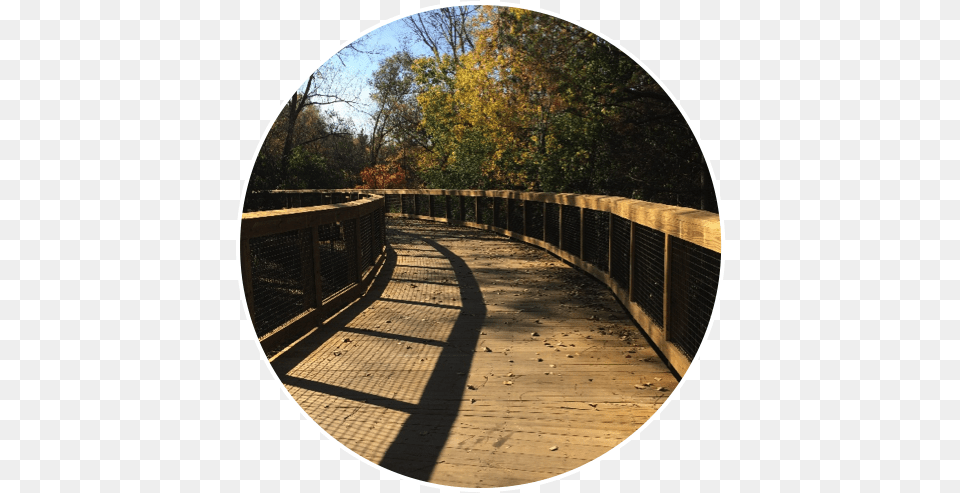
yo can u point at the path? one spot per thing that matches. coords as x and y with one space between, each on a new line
471 358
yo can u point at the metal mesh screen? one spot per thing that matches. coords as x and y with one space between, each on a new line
366 237
571 230
376 233
596 237
486 210
552 220
423 201
694 276
516 215
648 271
620 256
408 201
455 208
470 209
500 220
392 203
439 205
535 220
281 269
335 259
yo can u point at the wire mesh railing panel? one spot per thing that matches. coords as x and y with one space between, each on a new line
620 254
500 220
571 230
366 237
486 210
376 233
335 261
516 215
281 269
392 203
470 209
552 221
535 220
694 277
648 271
423 202
408 202
439 206
455 208
596 237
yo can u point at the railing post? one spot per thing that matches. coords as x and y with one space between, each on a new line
416 204
496 211
666 286
509 213
526 216
476 201
401 202
430 205
543 206
462 210
582 229
446 207
560 227
633 226
245 273
317 278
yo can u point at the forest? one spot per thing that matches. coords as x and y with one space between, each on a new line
484 97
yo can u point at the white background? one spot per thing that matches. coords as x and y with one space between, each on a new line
127 131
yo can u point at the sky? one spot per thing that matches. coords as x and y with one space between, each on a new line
387 40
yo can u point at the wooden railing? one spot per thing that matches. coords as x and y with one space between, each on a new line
662 262
302 263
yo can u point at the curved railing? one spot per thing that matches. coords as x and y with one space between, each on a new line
662 262
305 255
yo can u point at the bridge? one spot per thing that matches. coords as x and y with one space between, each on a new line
477 338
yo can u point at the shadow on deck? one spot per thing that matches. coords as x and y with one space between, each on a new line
476 361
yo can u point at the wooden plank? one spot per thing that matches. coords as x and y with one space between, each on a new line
678 361
289 332
375 395
698 227
255 224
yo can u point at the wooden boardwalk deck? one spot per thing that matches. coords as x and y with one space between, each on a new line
477 361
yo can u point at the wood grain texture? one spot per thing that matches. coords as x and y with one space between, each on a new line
698 227
471 357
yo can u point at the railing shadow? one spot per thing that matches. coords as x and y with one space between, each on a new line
412 452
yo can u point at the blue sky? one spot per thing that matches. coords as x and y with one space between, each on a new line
388 40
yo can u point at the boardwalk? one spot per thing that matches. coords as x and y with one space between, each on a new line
476 361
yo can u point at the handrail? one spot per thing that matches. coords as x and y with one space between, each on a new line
662 262
303 263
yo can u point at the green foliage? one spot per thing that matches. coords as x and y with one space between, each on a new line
507 99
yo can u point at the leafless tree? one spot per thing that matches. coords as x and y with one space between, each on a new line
444 31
